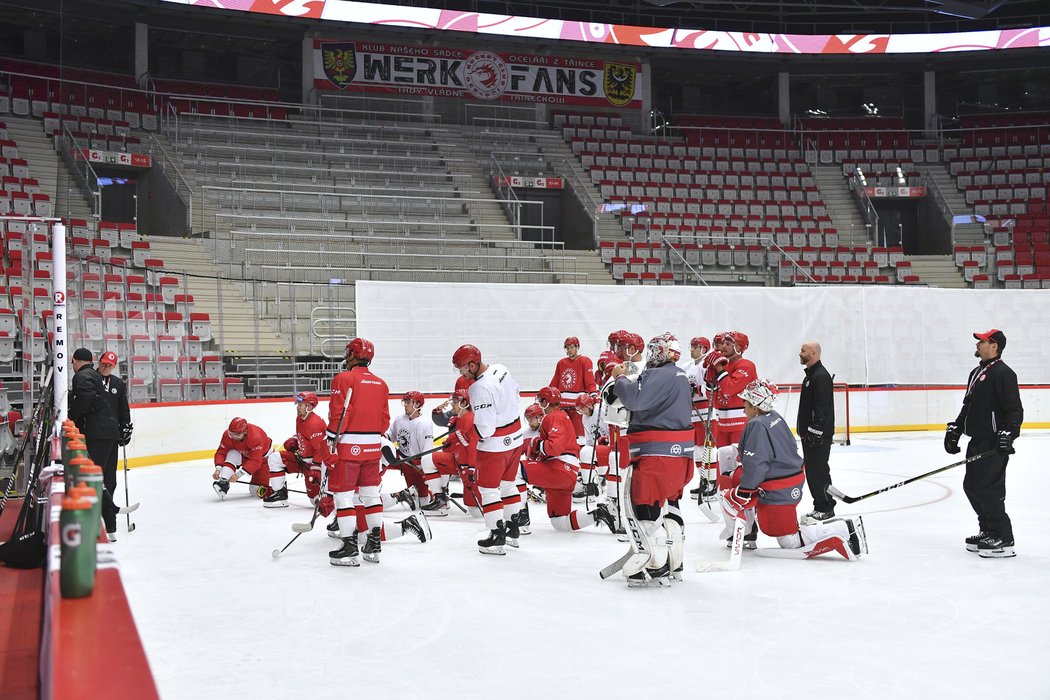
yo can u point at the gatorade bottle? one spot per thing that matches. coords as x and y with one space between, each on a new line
91 476
77 573
72 470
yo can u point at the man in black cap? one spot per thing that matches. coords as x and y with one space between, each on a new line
991 415
96 417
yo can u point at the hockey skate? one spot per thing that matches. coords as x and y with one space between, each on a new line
373 545
416 524
438 506
277 499
222 487
816 516
750 539
651 578
524 522
995 547
347 554
407 498
512 531
604 516
333 528
973 540
494 542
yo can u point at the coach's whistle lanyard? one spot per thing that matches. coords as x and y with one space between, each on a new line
980 374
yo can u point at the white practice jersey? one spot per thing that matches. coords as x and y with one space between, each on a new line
495 398
411 435
613 412
528 433
592 424
694 372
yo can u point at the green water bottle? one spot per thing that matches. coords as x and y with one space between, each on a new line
91 477
72 469
77 573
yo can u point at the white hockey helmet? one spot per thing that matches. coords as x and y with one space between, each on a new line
662 349
762 394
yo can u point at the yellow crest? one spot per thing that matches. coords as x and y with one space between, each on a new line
619 83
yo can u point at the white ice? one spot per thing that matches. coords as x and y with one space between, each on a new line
919 617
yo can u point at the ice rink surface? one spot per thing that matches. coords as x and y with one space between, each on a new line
919 617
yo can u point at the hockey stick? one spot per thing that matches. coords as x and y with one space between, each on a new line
393 461
34 422
704 503
127 498
853 499
615 566
735 552
260 486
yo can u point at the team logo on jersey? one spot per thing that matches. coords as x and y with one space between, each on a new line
568 378
796 493
507 440
619 83
355 450
485 75
676 449
340 62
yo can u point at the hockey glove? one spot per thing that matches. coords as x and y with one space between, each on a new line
291 445
951 438
1006 442
603 440
125 434
740 499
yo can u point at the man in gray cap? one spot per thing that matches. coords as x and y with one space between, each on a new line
991 415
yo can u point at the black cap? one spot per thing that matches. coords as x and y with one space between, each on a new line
83 354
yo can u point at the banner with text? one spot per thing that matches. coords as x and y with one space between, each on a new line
540 183
447 72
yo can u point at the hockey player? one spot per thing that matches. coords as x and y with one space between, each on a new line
770 478
594 452
414 434
245 449
307 451
459 453
661 447
606 360
553 464
573 375
358 415
726 374
628 348
699 347
494 398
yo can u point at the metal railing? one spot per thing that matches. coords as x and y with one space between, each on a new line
167 165
867 209
75 155
939 200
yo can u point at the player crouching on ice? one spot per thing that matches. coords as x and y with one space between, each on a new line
307 451
553 464
245 449
768 484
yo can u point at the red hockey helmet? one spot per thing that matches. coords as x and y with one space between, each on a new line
635 340
461 395
608 357
238 426
585 401
571 340
414 396
533 410
700 342
464 355
360 349
550 394
291 445
308 398
614 338
741 340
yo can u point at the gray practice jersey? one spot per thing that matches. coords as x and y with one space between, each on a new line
661 399
767 451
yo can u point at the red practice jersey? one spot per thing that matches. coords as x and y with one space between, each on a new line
463 441
572 378
365 398
313 445
741 372
255 445
558 438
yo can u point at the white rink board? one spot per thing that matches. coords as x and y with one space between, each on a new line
870 335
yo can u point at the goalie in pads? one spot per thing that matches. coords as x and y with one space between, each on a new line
768 483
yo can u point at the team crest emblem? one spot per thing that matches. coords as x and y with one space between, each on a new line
507 441
340 62
485 75
568 378
619 83
676 450
796 493
355 450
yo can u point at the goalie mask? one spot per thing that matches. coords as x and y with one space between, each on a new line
762 394
662 349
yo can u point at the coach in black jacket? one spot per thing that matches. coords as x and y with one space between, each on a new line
816 429
99 417
991 415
